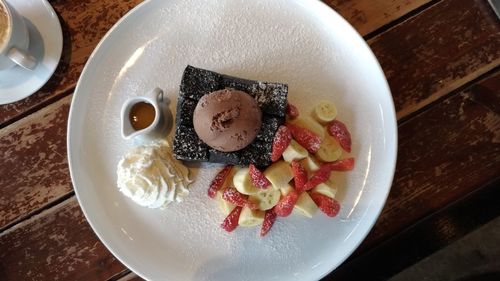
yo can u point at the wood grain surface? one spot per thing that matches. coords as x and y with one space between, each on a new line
57 244
34 165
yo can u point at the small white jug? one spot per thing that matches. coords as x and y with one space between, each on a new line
157 128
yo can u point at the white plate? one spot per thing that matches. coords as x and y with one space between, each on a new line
46 43
300 42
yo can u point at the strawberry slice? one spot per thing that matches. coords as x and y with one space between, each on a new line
280 143
231 221
320 176
305 137
234 197
299 176
339 131
258 179
269 219
285 205
218 181
327 205
292 111
342 165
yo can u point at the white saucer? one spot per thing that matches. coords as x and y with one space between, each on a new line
46 43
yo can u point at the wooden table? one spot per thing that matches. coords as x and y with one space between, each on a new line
441 58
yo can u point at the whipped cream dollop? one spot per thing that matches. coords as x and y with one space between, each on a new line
152 177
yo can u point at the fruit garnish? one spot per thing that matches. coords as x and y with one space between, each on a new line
294 151
329 150
243 183
232 196
257 177
218 181
231 221
305 137
327 205
280 143
249 217
269 219
285 206
339 131
265 199
299 176
320 176
305 205
342 165
292 111
325 111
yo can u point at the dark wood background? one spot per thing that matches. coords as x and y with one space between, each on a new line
441 58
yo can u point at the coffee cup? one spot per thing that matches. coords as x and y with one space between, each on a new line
14 39
145 117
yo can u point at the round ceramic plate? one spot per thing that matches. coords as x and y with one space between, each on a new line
299 42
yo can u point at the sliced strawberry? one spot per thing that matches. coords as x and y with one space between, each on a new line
234 197
329 206
231 221
305 137
339 131
285 206
218 181
292 111
299 176
252 205
320 176
258 179
269 219
280 143
342 165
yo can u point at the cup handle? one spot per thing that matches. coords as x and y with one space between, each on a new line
22 58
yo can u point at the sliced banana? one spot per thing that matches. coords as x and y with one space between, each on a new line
286 189
294 151
242 182
311 124
329 150
224 206
328 188
229 178
310 164
305 205
325 111
279 174
266 199
250 217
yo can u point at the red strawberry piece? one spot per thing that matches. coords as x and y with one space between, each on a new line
252 205
342 165
218 181
299 176
292 111
285 205
327 205
258 179
339 131
320 176
269 219
305 137
234 197
280 143
231 221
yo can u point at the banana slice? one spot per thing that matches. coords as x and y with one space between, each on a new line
285 189
310 164
294 151
325 112
329 150
250 217
229 179
266 199
242 182
305 205
224 206
311 124
279 174
328 188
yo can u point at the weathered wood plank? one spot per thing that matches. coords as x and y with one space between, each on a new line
84 23
34 166
444 153
437 51
368 15
57 244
